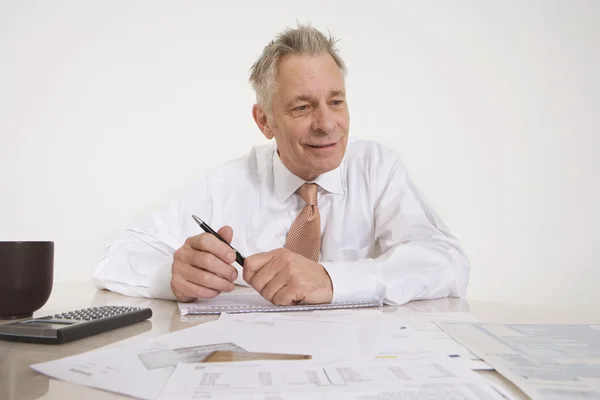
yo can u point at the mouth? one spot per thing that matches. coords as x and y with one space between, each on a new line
321 146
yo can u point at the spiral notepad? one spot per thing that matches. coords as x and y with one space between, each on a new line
232 303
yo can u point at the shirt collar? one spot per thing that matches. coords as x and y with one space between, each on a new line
286 183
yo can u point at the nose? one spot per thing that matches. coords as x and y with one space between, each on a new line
324 120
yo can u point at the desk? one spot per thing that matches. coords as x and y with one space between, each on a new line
19 382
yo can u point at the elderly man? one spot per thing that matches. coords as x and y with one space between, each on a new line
320 216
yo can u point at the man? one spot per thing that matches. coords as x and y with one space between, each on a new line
320 217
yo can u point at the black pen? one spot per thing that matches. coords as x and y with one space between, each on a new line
238 257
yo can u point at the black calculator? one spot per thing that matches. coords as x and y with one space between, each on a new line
73 325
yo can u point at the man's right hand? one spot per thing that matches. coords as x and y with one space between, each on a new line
202 267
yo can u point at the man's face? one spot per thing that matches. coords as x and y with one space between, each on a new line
310 117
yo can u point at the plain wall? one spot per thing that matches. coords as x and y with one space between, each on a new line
110 108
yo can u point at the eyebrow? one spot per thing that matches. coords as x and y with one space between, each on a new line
296 99
308 98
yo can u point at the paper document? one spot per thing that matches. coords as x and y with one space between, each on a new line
248 300
379 334
136 369
359 378
545 361
436 317
141 369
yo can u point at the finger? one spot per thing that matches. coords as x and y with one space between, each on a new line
287 296
273 285
226 233
186 289
209 243
255 262
206 279
264 275
181 298
208 262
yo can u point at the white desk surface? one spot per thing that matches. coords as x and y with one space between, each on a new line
19 382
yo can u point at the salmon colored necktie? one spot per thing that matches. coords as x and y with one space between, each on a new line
304 237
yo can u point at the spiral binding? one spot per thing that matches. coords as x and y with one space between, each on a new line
274 308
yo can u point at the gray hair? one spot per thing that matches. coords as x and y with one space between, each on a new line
302 40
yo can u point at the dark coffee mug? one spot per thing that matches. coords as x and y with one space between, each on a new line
26 275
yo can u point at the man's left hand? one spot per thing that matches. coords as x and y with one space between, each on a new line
284 278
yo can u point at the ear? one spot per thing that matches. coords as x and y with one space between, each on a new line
260 117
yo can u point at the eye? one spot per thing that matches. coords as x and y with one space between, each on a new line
301 108
337 103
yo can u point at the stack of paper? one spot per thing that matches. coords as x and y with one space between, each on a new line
545 361
143 369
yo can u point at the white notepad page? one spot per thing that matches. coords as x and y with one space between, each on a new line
246 299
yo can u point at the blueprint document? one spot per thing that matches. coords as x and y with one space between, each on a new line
385 379
552 362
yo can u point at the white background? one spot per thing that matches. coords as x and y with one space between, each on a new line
110 108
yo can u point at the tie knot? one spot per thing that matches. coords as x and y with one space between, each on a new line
308 192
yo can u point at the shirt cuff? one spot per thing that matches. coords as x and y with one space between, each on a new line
160 284
352 283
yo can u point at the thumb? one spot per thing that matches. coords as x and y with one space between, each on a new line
226 233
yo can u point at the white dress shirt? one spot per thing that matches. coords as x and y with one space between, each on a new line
379 236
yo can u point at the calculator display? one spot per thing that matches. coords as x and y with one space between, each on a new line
47 325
